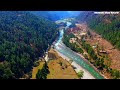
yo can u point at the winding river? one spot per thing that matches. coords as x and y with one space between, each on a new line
60 47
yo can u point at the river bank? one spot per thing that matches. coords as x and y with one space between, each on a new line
86 74
59 67
78 62
91 65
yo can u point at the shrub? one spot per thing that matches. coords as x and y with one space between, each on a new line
80 74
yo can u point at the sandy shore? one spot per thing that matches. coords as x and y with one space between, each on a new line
86 74
90 64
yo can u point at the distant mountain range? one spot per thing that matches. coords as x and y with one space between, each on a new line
56 15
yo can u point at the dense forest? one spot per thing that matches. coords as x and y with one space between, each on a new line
23 39
108 25
73 46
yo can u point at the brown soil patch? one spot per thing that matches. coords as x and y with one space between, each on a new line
114 54
58 70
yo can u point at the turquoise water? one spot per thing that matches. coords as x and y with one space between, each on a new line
59 46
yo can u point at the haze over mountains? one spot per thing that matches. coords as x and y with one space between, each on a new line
26 35
56 15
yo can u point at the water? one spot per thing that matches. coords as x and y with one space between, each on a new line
68 24
73 56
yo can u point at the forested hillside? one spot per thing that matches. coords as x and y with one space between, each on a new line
107 25
23 39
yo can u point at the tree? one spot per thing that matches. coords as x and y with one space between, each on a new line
116 74
39 74
23 39
45 69
109 30
5 72
80 74
85 55
42 74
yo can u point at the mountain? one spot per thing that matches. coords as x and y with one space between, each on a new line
44 14
107 25
56 15
23 39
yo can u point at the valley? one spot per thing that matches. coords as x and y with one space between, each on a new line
100 46
59 45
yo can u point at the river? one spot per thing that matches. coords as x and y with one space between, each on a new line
60 47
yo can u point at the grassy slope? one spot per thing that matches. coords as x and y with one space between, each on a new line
56 71
35 69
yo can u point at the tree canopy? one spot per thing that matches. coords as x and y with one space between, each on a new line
106 25
23 39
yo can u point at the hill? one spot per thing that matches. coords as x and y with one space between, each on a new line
55 15
23 39
107 25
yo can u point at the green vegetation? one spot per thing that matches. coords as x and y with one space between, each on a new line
5 72
116 74
72 46
93 56
60 63
106 25
99 62
39 75
109 31
42 74
36 64
89 49
23 39
80 74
